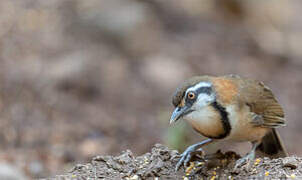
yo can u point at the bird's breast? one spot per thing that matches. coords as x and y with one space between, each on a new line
206 121
242 128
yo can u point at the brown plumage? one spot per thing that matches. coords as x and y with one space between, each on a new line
246 109
244 91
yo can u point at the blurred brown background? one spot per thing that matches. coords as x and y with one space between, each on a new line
79 78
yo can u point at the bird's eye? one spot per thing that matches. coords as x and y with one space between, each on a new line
191 95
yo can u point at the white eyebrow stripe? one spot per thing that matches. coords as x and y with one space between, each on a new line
199 85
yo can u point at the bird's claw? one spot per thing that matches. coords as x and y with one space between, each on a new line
175 156
186 157
245 161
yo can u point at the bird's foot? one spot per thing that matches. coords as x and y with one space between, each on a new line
246 161
187 155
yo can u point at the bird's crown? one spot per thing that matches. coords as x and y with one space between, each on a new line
223 85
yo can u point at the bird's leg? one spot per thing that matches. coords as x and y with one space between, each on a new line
249 158
187 155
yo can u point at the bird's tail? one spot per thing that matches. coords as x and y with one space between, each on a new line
271 146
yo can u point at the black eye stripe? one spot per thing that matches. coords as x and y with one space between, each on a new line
206 90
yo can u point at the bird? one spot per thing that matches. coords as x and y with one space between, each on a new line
230 108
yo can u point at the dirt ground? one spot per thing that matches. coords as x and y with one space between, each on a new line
160 164
80 78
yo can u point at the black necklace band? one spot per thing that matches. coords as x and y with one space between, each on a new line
224 119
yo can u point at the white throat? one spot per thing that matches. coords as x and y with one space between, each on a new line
203 116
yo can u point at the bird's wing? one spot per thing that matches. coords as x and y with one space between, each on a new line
262 102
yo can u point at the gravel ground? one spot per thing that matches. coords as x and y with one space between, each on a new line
160 164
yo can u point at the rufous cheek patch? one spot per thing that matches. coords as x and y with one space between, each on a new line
226 90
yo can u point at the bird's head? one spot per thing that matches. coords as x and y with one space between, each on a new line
193 95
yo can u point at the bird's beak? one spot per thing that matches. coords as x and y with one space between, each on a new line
178 113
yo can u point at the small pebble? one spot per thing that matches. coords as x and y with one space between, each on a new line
200 163
134 177
290 163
